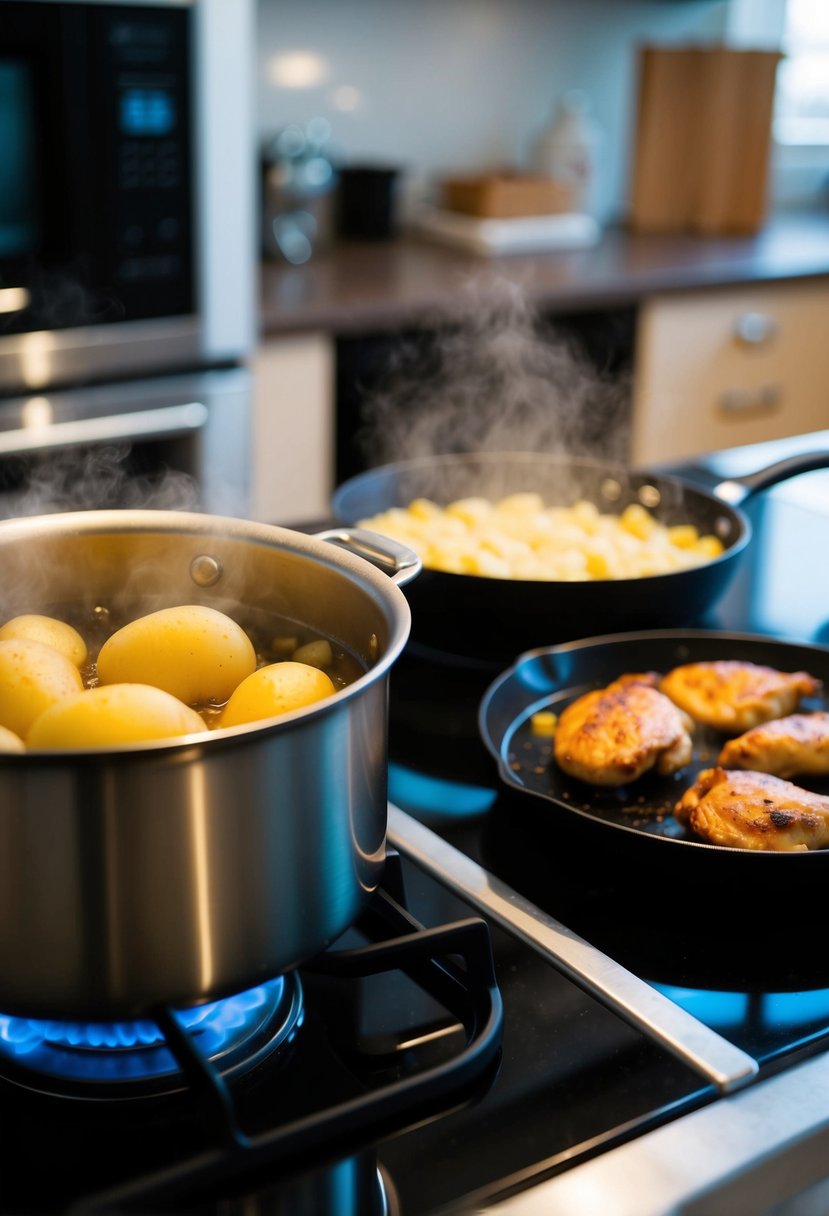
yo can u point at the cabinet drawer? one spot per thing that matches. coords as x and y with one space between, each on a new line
723 368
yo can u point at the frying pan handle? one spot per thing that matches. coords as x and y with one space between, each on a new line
737 489
398 561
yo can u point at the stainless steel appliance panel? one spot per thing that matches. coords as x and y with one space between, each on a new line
173 442
126 207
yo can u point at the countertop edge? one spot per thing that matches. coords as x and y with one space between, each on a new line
413 282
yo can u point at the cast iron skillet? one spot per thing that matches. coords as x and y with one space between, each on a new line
552 678
498 618
615 865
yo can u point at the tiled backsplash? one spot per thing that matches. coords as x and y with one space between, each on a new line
436 86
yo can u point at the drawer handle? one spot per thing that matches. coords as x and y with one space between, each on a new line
755 329
743 400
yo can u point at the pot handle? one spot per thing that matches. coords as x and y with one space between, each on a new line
398 561
736 490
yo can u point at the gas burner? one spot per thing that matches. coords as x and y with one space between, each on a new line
132 1059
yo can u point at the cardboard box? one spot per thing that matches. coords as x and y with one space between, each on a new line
703 136
506 195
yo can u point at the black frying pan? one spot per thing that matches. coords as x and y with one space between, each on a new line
615 865
498 618
551 678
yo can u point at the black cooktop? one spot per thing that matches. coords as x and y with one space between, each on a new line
559 1079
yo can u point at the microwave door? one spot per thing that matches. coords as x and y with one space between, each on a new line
50 269
95 179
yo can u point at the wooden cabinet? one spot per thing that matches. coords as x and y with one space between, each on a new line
719 368
712 368
293 429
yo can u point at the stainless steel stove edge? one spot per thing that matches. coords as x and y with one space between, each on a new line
761 1149
760 1152
716 1059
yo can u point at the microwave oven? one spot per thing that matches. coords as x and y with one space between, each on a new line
127 209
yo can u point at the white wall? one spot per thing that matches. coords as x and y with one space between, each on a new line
443 85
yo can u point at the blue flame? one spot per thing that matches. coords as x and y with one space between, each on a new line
119 1051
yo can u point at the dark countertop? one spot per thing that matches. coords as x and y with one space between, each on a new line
378 286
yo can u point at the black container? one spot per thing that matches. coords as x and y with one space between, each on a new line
366 202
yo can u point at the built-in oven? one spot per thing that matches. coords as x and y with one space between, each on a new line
127 250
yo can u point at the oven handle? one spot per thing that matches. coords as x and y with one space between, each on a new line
140 424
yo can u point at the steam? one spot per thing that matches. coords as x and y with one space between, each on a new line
495 378
95 478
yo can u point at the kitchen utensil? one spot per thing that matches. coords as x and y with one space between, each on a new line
495 618
298 182
637 818
568 148
184 870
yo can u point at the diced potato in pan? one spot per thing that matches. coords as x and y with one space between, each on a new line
518 537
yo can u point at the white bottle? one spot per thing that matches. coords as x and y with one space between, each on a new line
568 148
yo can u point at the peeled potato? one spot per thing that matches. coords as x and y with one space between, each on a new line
109 716
10 742
276 689
32 677
49 631
194 653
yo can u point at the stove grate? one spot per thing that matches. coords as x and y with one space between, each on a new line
451 963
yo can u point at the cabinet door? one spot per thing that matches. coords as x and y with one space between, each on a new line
717 369
293 429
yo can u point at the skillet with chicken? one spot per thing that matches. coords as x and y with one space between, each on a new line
645 722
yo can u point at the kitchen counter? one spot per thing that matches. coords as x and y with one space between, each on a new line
362 286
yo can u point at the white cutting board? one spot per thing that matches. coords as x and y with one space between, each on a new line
489 237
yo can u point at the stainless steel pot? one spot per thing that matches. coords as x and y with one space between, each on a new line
178 871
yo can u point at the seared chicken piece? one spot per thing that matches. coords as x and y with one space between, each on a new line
754 811
732 696
613 735
796 744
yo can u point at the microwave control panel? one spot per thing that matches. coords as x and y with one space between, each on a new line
144 58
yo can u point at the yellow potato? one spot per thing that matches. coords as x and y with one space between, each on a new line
274 690
32 677
194 653
10 742
50 632
315 654
112 715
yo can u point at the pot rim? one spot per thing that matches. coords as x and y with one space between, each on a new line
136 521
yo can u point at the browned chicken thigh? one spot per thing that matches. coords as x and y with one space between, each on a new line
615 734
796 744
747 810
732 696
